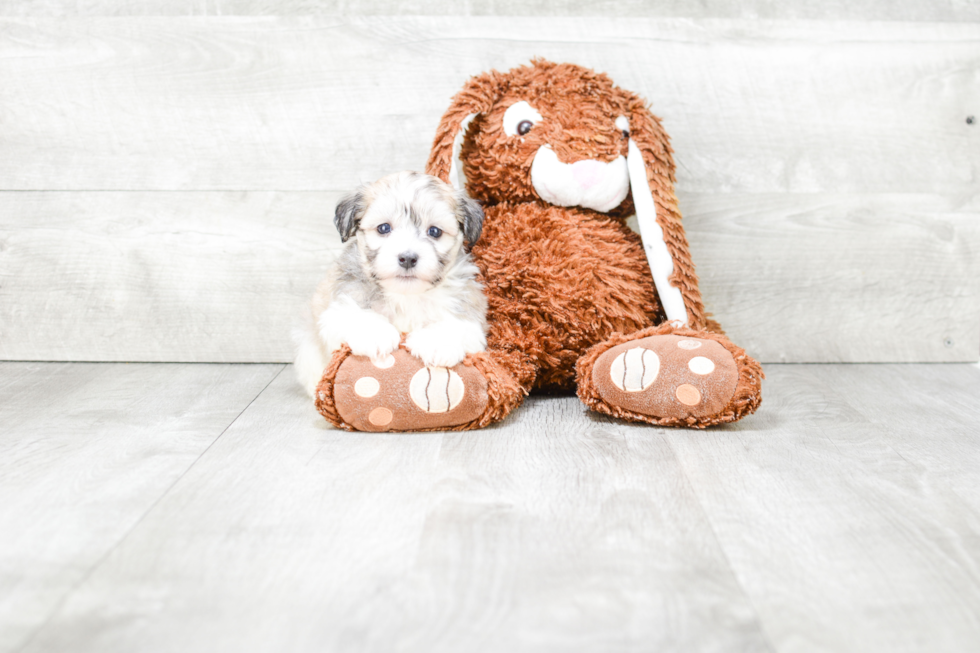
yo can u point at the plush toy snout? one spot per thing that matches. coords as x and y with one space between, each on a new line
588 173
588 183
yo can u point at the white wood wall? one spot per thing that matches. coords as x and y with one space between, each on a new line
168 170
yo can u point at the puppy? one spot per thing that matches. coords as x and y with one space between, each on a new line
404 270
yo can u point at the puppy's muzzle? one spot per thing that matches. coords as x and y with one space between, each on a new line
408 260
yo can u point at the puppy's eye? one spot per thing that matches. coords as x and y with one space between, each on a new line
519 118
384 228
434 232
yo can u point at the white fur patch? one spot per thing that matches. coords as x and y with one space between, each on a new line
310 360
590 184
447 342
366 332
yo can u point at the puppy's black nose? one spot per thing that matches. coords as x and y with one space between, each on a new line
408 260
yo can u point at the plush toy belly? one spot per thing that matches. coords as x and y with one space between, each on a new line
559 280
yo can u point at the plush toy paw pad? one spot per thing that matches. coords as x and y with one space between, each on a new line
400 393
667 376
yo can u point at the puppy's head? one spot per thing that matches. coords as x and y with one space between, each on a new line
410 228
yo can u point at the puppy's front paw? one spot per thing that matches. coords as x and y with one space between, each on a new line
445 344
374 339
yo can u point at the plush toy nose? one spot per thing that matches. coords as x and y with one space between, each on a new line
587 173
408 260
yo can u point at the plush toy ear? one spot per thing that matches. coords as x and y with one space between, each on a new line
651 170
348 213
477 96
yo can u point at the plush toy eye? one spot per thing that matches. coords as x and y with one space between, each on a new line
384 228
623 125
519 118
434 232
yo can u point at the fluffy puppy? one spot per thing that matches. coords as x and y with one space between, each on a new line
404 270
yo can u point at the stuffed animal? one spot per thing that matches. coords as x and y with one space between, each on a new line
559 157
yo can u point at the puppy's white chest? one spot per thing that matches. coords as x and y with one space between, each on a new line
412 312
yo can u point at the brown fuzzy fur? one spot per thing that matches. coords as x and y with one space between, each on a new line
566 284
551 299
498 168
324 397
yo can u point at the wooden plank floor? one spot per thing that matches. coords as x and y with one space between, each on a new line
166 507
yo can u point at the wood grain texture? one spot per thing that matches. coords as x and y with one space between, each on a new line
85 451
938 11
320 103
841 517
841 278
938 432
159 276
223 276
553 531
844 509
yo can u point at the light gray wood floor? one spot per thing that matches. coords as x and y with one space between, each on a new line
177 507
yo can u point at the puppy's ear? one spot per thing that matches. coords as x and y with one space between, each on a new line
469 214
348 214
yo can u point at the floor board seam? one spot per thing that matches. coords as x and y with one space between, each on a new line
882 432
721 548
105 556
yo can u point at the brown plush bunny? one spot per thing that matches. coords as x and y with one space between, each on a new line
560 157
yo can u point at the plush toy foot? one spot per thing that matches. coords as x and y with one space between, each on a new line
400 393
674 377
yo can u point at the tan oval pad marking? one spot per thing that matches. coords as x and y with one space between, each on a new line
380 416
688 395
